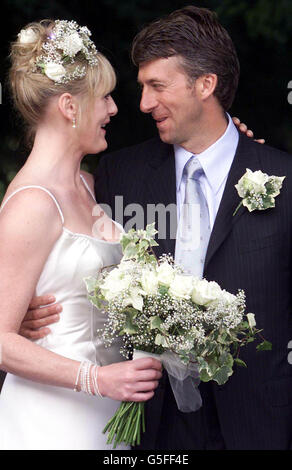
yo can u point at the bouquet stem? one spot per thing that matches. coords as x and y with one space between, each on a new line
126 424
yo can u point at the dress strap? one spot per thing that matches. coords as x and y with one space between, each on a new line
87 187
36 187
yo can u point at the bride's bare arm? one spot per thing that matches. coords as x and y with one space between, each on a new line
29 227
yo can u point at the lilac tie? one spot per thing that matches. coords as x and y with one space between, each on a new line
194 225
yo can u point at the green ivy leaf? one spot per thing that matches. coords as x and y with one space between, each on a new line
153 243
130 250
205 376
239 362
161 341
129 327
163 290
125 242
155 323
95 301
90 283
223 338
264 346
222 374
150 230
250 339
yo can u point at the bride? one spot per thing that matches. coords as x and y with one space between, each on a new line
61 85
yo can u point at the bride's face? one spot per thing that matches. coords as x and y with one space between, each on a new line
92 130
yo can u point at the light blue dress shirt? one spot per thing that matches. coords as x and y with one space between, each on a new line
216 161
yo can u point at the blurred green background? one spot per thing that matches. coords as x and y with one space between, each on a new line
260 29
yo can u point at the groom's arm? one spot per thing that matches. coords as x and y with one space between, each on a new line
42 312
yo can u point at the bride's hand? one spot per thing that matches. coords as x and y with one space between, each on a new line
243 128
130 380
39 317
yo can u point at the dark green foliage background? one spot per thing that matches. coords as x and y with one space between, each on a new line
262 33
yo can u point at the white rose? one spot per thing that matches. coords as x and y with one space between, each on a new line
113 276
227 297
252 181
54 71
115 283
181 286
27 36
72 44
149 282
165 274
126 266
251 319
256 177
205 292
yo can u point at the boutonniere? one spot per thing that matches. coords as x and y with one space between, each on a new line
258 190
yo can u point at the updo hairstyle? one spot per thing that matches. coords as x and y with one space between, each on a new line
32 90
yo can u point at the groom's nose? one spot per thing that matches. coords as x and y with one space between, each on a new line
148 100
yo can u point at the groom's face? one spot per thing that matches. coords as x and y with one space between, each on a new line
171 99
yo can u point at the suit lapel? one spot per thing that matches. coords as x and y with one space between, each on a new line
161 189
245 157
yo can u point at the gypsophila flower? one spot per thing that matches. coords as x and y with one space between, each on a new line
71 44
66 41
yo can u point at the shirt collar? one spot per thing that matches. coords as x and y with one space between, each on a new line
216 160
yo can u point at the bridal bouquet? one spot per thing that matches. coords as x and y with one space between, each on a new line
195 327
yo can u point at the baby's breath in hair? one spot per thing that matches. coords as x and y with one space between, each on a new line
66 40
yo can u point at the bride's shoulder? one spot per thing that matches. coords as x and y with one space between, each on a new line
30 225
30 208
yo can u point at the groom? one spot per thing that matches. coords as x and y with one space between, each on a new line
188 71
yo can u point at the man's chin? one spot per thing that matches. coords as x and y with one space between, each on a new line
166 138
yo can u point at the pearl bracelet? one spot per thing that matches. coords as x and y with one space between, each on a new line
95 384
87 378
77 377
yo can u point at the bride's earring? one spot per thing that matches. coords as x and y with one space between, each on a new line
74 123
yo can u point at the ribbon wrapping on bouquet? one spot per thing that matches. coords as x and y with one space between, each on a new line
184 379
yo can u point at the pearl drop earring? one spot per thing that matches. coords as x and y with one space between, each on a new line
74 123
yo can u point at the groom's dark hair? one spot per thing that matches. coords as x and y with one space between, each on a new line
195 35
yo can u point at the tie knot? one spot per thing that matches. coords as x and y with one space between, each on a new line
193 168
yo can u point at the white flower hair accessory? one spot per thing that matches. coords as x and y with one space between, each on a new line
66 41
258 190
27 36
54 71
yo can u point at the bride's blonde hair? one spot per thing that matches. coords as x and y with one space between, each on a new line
32 90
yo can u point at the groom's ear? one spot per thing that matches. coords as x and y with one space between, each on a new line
206 85
68 106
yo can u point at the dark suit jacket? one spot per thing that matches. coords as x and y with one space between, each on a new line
251 251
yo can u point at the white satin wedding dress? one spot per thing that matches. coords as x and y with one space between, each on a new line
39 417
